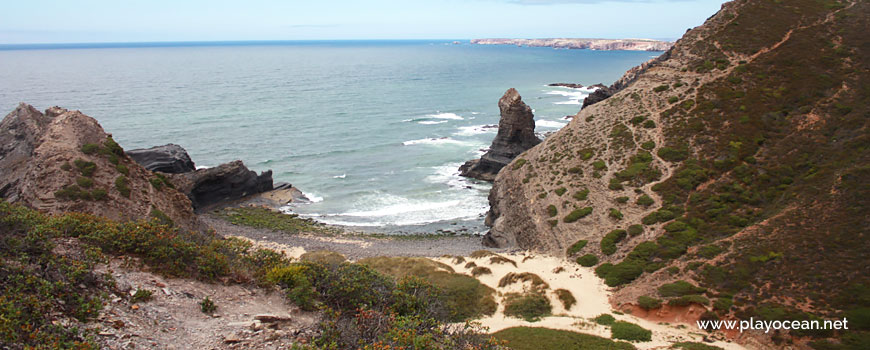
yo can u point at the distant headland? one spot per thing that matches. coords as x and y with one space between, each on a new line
579 43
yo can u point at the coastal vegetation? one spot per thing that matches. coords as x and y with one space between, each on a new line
530 338
273 220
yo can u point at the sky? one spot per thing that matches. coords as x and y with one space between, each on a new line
84 21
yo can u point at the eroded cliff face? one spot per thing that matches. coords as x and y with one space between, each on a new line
62 161
733 162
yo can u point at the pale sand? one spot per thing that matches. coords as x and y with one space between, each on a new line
590 291
592 300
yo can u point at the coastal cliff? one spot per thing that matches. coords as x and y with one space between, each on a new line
733 163
578 43
62 161
516 134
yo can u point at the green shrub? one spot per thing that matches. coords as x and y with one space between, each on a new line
615 184
294 279
622 273
679 288
615 213
576 247
710 251
207 306
622 200
326 257
649 145
629 331
464 296
673 99
723 304
649 124
575 170
661 88
90 148
648 303
528 338
608 243
588 260
84 182
529 306
645 200
635 230
689 299
581 195
673 154
604 319
141 295
566 298
519 163
156 183
577 214
66 166
86 168
603 269
599 165
552 211
122 186
637 120
99 194
273 220
122 169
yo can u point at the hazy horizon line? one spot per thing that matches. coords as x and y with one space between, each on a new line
168 43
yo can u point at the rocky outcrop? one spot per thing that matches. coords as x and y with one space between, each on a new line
516 134
223 183
567 85
61 161
580 43
170 159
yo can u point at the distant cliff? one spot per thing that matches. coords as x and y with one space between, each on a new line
577 43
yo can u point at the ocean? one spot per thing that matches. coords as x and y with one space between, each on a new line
372 131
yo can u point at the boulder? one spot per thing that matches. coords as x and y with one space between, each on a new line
516 134
170 159
223 183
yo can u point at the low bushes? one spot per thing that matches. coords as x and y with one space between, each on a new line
679 288
576 247
581 195
529 306
269 219
552 211
608 243
528 338
604 319
588 260
629 331
648 302
566 298
689 299
534 280
635 230
577 214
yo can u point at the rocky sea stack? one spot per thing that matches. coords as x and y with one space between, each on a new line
516 134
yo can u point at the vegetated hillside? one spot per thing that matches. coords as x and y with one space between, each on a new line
63 161
737 161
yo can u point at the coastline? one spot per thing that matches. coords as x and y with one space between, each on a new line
582 43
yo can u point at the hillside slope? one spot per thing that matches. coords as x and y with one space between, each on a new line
61 161
738 160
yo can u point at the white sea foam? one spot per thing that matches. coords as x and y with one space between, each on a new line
475 130
382 209
340 176
431 122
313 197
549 124
436 141
449 174
452 116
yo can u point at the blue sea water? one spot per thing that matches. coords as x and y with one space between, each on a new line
372 131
